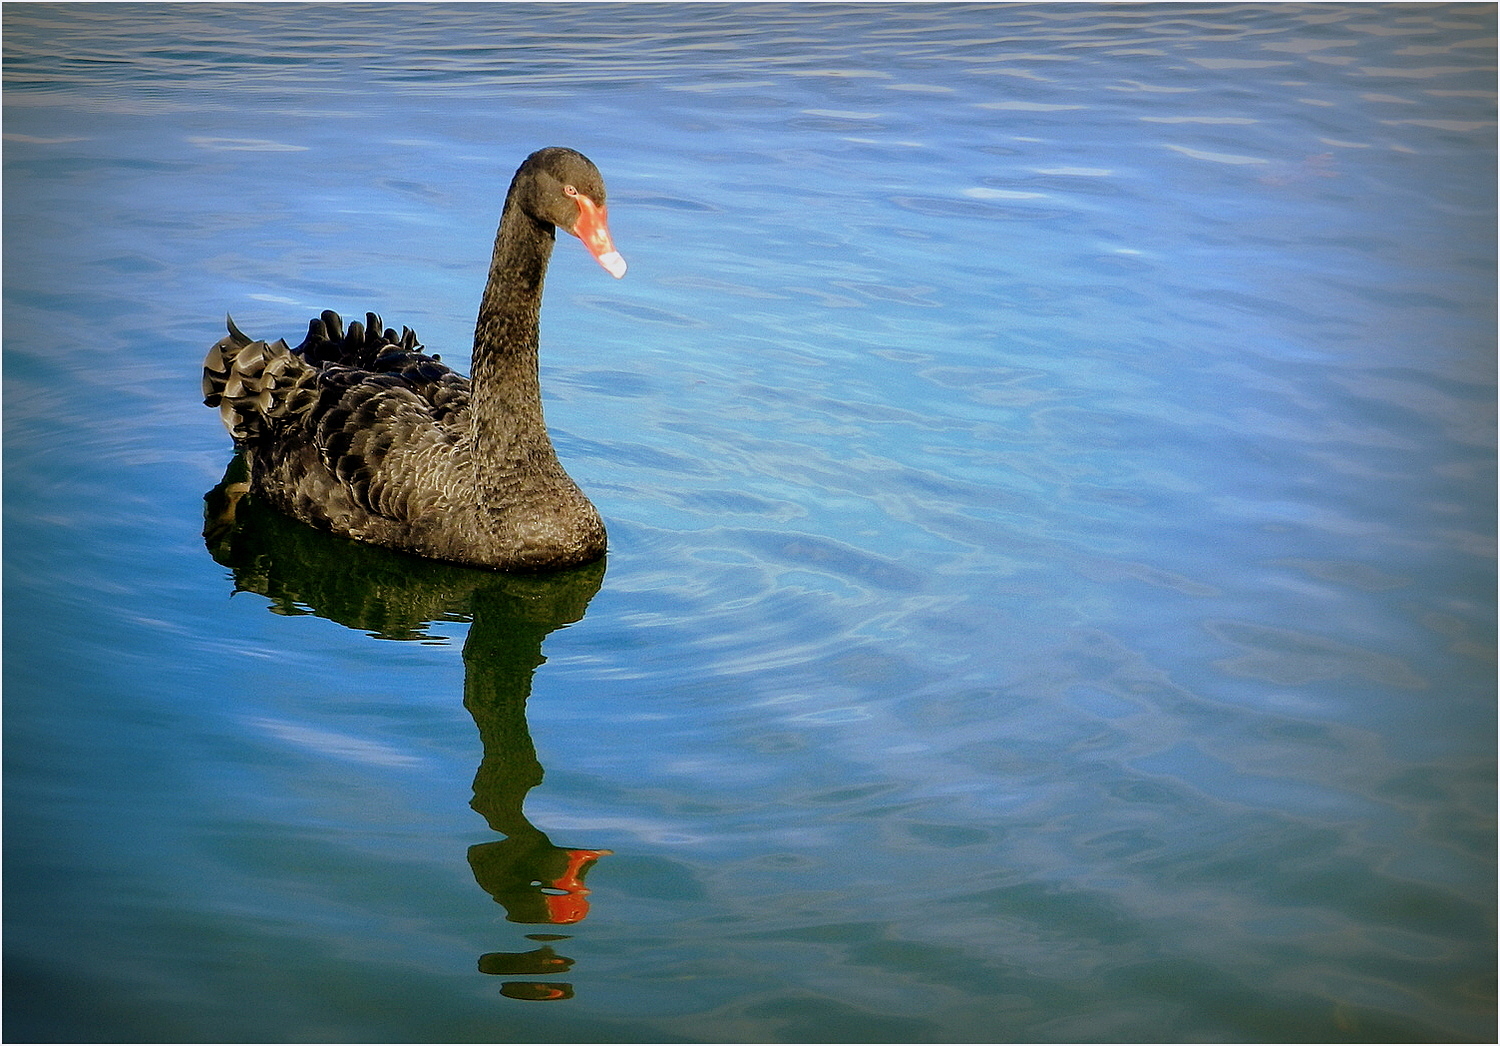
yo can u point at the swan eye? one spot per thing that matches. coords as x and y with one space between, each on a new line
570 190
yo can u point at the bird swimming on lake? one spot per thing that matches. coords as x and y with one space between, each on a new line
359 432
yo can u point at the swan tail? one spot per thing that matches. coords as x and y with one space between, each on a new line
261 388
256 384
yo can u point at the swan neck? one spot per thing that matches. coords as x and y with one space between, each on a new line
506 383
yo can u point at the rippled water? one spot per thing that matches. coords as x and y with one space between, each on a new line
1048 456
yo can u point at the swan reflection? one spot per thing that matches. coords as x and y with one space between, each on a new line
390 596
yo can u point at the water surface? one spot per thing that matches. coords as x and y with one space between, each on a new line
1048 456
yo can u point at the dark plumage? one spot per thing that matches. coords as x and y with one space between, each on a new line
360 432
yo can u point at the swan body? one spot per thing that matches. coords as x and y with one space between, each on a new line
360 432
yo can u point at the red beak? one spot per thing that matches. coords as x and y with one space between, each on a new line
593 229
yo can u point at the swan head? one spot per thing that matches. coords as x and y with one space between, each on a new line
563 188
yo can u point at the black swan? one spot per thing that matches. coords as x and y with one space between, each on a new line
361 433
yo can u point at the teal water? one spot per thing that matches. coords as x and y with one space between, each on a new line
1048 452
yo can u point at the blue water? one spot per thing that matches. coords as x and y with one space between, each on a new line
1048 454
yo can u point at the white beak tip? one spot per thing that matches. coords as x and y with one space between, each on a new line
613 263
